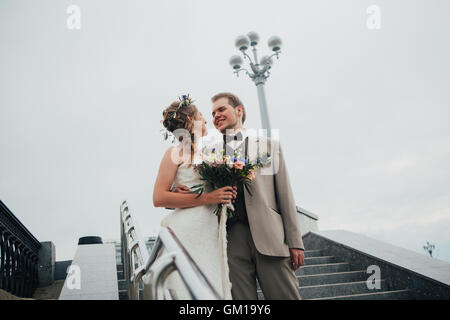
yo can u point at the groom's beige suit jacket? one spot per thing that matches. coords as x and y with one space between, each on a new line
271 209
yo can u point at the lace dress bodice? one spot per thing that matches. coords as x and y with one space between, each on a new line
198 230
186 175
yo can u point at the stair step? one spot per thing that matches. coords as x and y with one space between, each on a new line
335 277
384 295
329 278
313 253
322 268
335 290
120 275
119 267
123 295
339 289
319 260
122 284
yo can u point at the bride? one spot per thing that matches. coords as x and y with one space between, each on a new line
192 221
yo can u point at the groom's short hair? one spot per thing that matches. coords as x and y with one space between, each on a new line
233 100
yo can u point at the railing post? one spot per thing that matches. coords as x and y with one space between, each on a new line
2 258
7 265
21 269
35 273
13 265
157 276
14 269
27 254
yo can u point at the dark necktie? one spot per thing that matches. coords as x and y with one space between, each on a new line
241 149
237 137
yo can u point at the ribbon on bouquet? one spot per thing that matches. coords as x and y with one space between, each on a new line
225 270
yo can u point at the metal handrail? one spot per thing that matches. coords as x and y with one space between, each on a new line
134 252
19 255
176 259
137 263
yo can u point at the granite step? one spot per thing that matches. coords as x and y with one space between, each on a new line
384 295
340 289
335 277
123 295
319 260
350 291
329 278
322 268
122 284
313 253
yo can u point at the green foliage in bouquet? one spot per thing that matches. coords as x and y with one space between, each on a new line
220 171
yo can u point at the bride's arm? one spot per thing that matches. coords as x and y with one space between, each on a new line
163 197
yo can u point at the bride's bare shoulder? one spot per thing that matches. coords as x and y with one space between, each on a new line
174 154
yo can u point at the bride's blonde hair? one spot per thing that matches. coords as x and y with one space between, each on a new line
181 117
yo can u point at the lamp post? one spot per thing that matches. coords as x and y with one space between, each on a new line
429 248
260 69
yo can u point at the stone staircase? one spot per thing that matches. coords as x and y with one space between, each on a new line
324 277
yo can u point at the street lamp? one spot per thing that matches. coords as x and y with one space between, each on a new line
429 248
260 69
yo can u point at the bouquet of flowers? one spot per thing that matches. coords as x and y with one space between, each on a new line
220 170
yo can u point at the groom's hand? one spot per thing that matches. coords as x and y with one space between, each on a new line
185 189
297 257
182 189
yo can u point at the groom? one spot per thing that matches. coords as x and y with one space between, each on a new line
264 239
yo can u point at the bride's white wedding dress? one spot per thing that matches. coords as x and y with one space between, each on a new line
198 230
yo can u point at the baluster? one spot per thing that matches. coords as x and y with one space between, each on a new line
8 264
35 274
30 274
26 253
14 265
24 269
20 273
2 258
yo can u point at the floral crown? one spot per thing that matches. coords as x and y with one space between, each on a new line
185 101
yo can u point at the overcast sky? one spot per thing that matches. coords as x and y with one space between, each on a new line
363 114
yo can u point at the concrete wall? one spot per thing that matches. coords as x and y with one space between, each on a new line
92 274
46 264
61 269
308 221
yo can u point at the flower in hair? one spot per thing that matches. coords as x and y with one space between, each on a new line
185 101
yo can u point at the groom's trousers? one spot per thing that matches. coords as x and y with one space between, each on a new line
275 275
